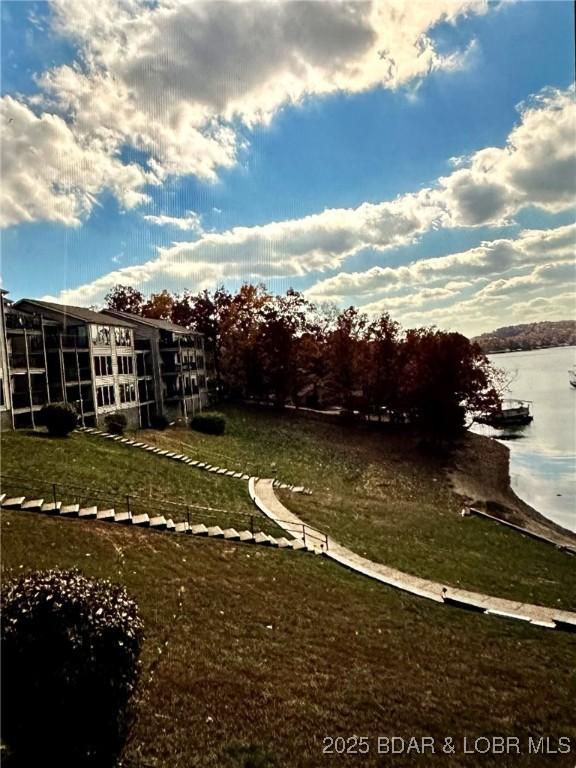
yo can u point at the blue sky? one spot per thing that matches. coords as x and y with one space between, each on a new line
404 161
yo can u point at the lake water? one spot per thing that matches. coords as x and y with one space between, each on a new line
543 453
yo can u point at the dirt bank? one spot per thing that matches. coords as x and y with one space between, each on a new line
480 474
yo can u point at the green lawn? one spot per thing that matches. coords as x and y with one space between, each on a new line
90 470
378 494
269 651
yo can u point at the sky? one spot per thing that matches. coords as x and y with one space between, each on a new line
416 158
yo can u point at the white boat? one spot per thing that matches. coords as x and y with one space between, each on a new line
572 376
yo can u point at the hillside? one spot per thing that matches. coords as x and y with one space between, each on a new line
560 333
252 655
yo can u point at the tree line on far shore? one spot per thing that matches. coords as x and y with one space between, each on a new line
285 349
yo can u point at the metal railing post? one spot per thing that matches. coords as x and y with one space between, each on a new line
127 503
54 493
304 533
252 524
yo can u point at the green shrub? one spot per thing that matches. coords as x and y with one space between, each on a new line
209 423
58 418
116 423
70 648
159 421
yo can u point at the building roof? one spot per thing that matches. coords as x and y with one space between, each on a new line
77 313
162 325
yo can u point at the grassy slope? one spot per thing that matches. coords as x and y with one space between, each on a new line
344 655
103 472
381 497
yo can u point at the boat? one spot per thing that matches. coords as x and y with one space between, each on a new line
513 413
572 376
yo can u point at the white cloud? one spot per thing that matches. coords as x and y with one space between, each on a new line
536 167
176 80
190 222
49 174
488 260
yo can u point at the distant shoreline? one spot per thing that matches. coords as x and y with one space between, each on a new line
532 349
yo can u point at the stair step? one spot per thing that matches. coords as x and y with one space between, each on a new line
150 448
33 504
51 507
88 512
297 489
170 525
297 544
170 455
230 473
201 465
105 514
212 469
70 509
245 477
137 445
142 520
182 527
262 538
199 530
2 497
245 536
215 531
123 517
14 503
231 533
222 471
162 453
283 542
194 463
158 522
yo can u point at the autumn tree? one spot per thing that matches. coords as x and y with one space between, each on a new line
346 348
124 298
159 306
444 376
382 366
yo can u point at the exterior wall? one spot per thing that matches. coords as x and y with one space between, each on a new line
5 407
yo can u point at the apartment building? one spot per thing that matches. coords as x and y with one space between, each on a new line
99 362
90 360
172 365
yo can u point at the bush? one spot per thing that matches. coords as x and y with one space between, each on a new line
70 648
159 421
116 423
58 418
209 423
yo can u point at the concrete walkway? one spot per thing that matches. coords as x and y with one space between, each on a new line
263 495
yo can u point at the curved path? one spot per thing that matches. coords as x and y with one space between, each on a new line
263 495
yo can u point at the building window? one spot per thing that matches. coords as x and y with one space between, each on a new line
125 364
123 337
202 381
103 365
105 395
200 361
127 393
101 335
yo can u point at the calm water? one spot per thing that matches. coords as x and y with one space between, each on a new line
543 454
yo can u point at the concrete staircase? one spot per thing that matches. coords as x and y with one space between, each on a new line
212 468
157 523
